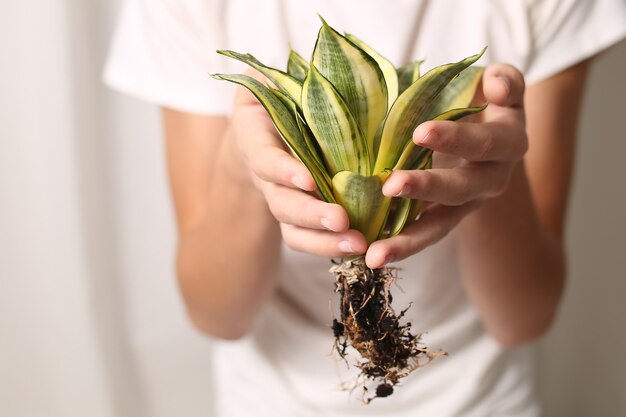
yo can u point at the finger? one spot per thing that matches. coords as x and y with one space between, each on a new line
501 140
273 164
431 227
503 85
452 187
323 243
264 151
300 209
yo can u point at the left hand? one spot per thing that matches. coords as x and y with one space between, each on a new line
473 161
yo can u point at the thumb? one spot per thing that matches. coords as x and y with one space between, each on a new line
503 85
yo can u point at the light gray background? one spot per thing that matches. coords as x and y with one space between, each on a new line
582 365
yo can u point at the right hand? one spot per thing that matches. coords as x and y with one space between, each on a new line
307 223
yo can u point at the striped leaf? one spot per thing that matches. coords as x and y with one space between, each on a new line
362 197
387 68
409 110
285 122
304 129
415 208
456 114
413 154
408 74
285 82
341 142
357 78
310 140
400 216
297 66
458 94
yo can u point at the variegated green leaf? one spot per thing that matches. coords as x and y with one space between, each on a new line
406 212
456 114
286 125
285 82
288 102
389 71
413 154
304 130
458 94
408 74
357 78
342 144
310 140
362 197
409 109
416 208
400 216
297 66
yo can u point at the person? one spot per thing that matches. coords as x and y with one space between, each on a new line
484 266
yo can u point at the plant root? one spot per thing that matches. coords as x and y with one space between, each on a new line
388 349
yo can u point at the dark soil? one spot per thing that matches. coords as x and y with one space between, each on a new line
388 349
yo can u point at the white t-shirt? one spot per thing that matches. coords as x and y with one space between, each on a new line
162 52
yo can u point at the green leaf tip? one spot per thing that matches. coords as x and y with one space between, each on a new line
478 55
324 23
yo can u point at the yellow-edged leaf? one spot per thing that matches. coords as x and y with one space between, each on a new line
357 78
304 129
285 82
458 94
387 68
413 154
450 104
410 108
285 122
362 197
340 140
297 66
400 216
408 74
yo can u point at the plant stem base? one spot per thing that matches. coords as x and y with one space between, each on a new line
388 349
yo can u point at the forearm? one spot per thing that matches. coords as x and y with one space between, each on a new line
226 261
513 268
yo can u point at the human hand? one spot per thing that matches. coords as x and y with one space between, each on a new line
307 223
473 161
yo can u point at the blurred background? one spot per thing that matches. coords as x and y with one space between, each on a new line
91 323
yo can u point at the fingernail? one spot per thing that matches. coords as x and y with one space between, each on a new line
406 190
297 181
325 223
425 138
388 187
345 246
506 82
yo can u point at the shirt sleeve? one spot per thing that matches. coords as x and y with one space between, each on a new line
163 52
566 32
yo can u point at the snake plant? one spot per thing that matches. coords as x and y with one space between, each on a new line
348 115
